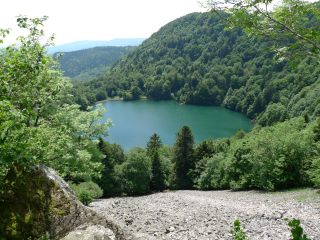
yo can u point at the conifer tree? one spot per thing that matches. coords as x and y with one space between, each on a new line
157 182
183 158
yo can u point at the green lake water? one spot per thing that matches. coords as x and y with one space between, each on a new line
135 121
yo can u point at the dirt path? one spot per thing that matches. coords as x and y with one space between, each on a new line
209 215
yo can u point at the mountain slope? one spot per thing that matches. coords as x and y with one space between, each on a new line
89 63
194 60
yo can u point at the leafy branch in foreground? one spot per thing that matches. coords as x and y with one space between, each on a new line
293 24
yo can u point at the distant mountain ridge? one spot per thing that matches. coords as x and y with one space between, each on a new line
90 63
80 45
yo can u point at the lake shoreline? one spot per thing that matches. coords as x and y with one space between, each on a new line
136 121
144 98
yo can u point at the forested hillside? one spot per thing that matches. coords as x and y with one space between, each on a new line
90 63
195 60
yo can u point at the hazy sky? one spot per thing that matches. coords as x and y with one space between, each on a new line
74 20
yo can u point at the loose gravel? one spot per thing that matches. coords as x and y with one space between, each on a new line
210 215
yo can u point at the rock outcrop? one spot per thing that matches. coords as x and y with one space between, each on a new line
35 202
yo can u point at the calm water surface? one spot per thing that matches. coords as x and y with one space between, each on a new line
135 121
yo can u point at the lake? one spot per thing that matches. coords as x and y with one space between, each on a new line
135 121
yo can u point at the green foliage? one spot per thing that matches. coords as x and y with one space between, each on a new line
274 113
134 173
315 164
292 25
294 224
213 173
84 197
44 237
90 63
205 151
183 158
316 131
297 230
87 191
37 125
237 232
113 156
157 173
277 157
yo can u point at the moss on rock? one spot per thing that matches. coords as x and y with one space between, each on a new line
35 202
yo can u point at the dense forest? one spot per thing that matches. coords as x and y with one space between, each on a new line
196 60
90 63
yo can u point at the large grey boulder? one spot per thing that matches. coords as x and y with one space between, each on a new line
35 202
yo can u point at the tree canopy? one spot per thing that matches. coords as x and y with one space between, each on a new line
90 63
37 123
293 24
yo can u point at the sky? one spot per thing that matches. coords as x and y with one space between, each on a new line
77 20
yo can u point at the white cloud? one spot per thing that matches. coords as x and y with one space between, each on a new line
73 20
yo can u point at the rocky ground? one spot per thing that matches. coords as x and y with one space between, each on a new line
209 215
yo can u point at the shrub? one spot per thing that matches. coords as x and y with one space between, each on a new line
134 174
294 224
212 177
87 191
272 158
84 197
237 232
297 230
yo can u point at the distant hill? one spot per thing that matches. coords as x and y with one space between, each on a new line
80 45
90 63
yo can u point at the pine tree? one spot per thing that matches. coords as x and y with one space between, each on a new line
157 182
183 158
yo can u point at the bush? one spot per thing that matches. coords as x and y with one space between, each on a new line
272 158
84 197
297 230
237 232
314 171
87 191
213 175
134 174
294 224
